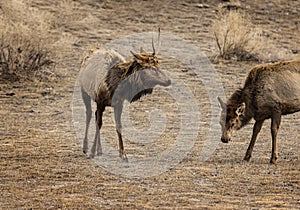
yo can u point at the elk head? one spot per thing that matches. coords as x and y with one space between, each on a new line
143 74
149 67
231 118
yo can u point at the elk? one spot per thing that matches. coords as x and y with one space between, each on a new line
109 79
270 91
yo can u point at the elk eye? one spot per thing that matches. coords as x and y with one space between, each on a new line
231 123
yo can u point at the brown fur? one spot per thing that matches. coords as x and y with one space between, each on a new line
270 90
123 70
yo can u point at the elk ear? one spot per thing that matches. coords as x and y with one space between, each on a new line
142 50
136 55
223 105
241 109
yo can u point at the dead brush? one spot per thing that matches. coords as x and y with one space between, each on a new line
25 44
236 37
23 60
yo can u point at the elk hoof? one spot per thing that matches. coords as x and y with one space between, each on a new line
247 157
124 157
85 150
91 156
273 160
225 140
99 152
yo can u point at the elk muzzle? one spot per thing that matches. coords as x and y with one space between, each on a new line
163 79
226 135
225 140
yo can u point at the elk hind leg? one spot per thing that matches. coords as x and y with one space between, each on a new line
97 142
275 123
87 102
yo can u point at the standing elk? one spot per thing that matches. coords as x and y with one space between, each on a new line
270 91
108 79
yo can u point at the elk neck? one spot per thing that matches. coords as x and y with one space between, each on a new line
120 72
237 98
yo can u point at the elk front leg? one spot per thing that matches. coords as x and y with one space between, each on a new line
118 111
256 129
275 123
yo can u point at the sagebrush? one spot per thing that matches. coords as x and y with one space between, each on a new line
25 41
236 37
32 40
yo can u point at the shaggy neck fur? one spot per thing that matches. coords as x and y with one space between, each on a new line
236 99
119 73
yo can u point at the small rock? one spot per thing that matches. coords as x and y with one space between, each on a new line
202 6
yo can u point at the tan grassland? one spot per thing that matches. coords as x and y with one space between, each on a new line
41 161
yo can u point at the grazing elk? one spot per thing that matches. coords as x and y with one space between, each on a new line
270 91
108 79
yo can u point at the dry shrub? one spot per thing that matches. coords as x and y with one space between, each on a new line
236 36
25 41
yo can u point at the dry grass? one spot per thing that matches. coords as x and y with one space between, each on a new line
236 36
25 41
41 162
32 39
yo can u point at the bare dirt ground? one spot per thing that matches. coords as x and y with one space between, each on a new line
41 161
